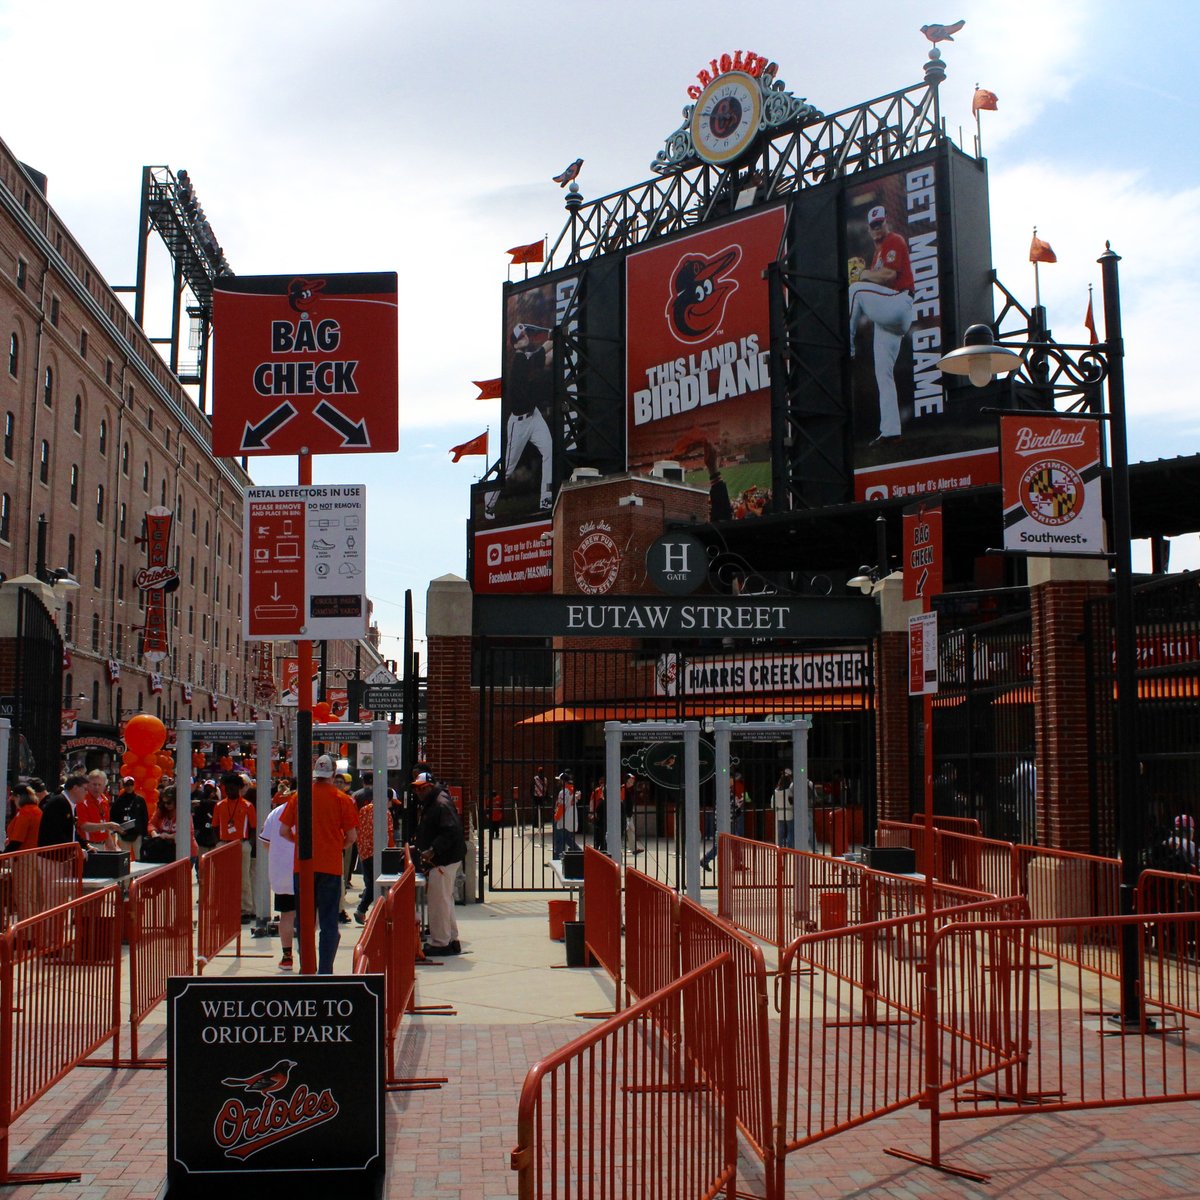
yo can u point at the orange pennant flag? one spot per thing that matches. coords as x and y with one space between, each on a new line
533 253
1089 323
983 99
489 389
1040 251
477 445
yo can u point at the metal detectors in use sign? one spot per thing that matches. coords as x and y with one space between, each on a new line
305 573
305 364
1050 467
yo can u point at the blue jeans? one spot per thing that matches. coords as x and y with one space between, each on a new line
564 839
327 892
787 832
368 888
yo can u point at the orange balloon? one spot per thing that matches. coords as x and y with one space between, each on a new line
145 734
139 772
129 760
322 713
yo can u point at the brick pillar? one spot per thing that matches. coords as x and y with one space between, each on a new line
452 705
1059 589
893 736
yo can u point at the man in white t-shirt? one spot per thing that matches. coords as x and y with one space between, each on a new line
280 866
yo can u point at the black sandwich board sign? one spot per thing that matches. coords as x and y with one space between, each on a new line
275 1087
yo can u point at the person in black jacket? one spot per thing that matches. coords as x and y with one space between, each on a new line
58 814
129 809
441 847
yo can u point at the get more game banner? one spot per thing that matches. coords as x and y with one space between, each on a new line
698 381
911 435
305 363
1051 469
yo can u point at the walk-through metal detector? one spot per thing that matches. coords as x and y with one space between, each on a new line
261 733
792 729
617 732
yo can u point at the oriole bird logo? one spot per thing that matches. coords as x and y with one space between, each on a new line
267 1082
568 173
302 292
700 291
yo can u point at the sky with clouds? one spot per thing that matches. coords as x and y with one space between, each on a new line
385 135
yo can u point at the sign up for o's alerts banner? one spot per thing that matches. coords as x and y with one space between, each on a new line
305 363
1051 482
698 377
513 560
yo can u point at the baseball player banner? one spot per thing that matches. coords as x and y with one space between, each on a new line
156 579
524 486
907 439
697 359
1051 484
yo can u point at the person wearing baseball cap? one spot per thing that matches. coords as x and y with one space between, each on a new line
334 827
441 848
129 810
882 294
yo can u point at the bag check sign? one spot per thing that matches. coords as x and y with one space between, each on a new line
305 364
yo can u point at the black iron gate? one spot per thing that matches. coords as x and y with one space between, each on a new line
543 710
1167 618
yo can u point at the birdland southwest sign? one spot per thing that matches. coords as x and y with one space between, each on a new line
275 1086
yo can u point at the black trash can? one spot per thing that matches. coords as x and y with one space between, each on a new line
577 955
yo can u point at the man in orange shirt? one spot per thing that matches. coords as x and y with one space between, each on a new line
334 827
234 818
91 813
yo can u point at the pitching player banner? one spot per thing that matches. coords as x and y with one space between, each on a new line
1051 484
697 357
273 1084
156 579
900 277
305 363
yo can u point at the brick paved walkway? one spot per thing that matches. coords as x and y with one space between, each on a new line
513 1007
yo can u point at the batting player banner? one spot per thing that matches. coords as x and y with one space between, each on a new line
274 1084
697 359
156 579
908 440
305 364
517 559
1051 484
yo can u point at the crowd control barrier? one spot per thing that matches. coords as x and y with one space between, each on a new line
625 1111
220 910
60 998
158 924
651 934
1006 1038
388 947
41 878
602 913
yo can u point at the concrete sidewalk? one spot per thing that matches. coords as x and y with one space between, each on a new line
515 1002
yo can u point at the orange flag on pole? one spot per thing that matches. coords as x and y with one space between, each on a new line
477 445
1041 252
983 99
489 389
1089 322
535 252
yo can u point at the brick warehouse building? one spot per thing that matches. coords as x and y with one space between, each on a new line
1025 645
97 431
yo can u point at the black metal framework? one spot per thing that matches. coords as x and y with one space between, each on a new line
1167 614
984 736
541 706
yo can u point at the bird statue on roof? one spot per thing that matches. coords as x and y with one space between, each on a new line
569 174
942 33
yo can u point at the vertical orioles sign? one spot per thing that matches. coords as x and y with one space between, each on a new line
698 377
305 363
156 579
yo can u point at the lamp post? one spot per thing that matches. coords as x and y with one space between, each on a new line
1085 367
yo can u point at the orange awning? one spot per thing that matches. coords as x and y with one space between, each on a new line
670 710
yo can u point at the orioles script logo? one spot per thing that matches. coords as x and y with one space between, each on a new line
242 1129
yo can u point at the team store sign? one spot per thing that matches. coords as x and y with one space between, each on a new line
1050 467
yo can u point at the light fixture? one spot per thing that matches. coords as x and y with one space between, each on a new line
979 358
631 501
61 577
865 580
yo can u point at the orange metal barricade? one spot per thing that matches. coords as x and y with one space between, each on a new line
651 934
41 878
968 825
158 922
220 909
1035 1037
624 1111
60 996
702 937
602 913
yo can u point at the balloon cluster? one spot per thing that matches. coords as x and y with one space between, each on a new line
323 713
144 759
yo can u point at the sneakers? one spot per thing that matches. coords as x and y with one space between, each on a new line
343 917
360 916
286 963
432 951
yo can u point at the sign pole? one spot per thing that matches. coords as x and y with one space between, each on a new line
307 915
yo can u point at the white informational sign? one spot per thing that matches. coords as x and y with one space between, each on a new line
381 676
922 654
366 756
305 562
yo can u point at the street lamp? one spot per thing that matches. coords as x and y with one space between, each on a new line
1085 367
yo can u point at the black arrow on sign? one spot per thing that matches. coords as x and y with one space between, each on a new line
255 436
922 580
354 433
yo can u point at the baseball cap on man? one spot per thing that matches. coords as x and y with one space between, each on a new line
877 214
324 768
424 780
129 779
